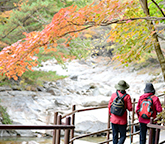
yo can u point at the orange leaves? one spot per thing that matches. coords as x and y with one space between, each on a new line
5 14
14 60
67 23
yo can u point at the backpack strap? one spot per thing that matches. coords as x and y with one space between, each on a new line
122 96
151 96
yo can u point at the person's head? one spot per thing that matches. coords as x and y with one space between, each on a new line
121 85
149 88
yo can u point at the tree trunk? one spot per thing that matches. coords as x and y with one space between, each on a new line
157 47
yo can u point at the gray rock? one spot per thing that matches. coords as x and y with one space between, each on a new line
54 91
89 126
75 78
86 86
5 89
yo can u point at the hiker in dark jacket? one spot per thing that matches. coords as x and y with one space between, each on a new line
148 91
119 123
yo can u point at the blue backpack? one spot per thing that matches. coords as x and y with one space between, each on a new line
118 107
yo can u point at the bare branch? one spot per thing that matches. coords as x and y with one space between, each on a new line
106 23
132 19
117 21
158 8
76 31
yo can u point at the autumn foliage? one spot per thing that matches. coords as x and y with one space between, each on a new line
66 24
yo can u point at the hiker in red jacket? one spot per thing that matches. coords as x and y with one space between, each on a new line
156 107
119 123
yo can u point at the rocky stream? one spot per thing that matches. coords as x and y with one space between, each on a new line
89 83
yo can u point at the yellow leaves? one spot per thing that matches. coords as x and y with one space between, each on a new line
5 14
88 36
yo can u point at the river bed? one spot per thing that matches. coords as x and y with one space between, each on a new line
47 140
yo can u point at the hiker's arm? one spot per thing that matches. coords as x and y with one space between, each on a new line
109 105
129 103
137 108
158 105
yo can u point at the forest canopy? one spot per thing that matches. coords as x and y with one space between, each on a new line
134 30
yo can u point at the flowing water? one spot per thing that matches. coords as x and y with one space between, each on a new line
20 140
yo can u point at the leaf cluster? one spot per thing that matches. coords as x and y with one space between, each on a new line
31 15
37 78
154 10
5 116
133 39
68 22
160 118
24 58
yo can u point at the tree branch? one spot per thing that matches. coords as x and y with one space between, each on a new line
106 23
158 7
144 5
75 31
118 21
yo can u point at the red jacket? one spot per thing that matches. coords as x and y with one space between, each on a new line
156 107
122 120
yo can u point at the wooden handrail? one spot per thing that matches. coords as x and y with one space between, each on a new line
155 126
94 108
85 109
160 95
7 127
86 135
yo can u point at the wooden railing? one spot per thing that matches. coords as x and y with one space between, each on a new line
108 130
58 119
57 128
157 128
69 126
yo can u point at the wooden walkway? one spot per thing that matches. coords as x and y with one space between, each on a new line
69 127
162 137
127 141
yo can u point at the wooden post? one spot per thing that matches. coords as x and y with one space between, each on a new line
157 136
108 126
54 132
133 118
164 99
58 132
73 122
67 132
164 108
151 131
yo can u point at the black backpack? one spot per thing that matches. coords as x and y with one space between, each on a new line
118 107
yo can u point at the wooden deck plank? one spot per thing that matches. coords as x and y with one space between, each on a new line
162 136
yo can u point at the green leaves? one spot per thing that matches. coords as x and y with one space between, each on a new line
5 116
154 8
132 34
133 37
